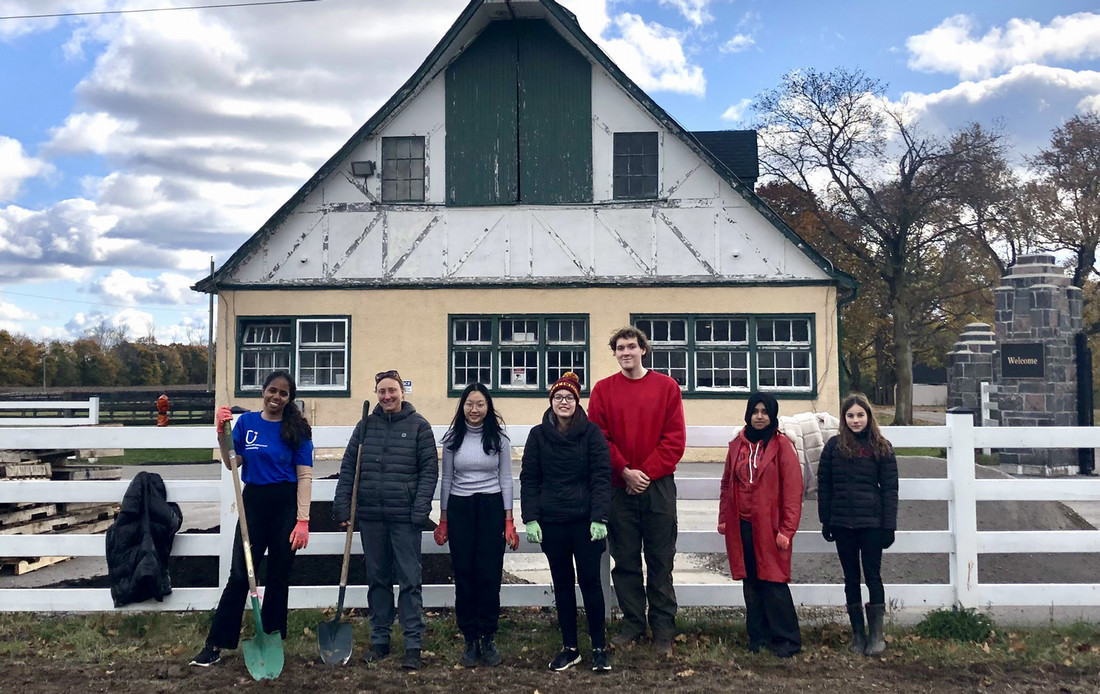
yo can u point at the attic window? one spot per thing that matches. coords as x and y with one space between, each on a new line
635 166
402 169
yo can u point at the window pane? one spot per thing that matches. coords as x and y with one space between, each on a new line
560 361
634 165
403 169
519 369
471 367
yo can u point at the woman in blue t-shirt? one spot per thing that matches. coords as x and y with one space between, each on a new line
275 447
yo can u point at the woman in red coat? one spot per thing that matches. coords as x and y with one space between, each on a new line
759 511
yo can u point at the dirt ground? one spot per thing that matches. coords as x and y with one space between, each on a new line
802 675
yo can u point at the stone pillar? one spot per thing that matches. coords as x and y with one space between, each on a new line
969 364
1037 315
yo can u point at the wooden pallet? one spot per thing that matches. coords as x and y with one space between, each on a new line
17 515
86 472
28 469
23 566
103 513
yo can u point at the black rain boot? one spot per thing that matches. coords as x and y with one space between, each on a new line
876 644
859 630
489 653
471 653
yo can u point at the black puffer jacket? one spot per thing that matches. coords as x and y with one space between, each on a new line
140 540
859 492
398 473
566 477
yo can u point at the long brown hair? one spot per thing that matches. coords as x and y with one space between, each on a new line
846 438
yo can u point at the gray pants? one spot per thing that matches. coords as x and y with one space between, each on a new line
392 555
645 524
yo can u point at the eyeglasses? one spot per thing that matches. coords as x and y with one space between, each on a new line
392 373
564 398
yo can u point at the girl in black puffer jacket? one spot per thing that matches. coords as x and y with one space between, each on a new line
857 503
565 491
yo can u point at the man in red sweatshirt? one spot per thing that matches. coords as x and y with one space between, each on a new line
642 416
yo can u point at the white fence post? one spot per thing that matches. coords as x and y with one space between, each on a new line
962 508
227 504
988 406
93 410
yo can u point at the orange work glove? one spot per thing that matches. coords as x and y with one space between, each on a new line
440 533
221 416
299 537
511 538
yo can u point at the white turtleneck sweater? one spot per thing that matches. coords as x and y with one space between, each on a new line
469 470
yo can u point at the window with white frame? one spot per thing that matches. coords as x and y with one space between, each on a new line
732 353
314 349
517 353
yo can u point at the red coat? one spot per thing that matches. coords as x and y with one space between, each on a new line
777 507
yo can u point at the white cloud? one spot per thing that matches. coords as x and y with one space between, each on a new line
739 42
11 312
1031 100
121 287
16 167
653 56
953 47
695 11
736 112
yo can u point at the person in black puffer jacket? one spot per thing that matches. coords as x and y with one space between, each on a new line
857 503
565 491
397 477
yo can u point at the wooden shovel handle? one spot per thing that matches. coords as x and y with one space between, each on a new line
351 518
229 457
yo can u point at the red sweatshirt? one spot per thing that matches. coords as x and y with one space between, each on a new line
643 421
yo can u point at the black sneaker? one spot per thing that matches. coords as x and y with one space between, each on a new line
376 653
411 661
207 656
566 659
471 653
601 662
489 653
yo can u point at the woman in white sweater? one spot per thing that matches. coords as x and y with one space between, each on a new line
475 499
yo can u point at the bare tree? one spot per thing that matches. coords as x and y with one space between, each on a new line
872 168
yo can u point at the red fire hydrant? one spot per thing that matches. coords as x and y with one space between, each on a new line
162 410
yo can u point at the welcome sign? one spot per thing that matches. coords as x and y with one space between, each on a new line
1022 360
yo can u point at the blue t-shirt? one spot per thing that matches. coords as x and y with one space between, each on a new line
266 457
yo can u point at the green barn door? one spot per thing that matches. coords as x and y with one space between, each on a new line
555 118
482 163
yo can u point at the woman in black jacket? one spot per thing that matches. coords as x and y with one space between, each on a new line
857 503
565 491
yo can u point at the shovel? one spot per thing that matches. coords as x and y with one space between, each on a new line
263 655
334 638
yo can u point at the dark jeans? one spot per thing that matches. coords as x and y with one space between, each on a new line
645 523
564 543
271 511
475 526
770 618
392 554
855 546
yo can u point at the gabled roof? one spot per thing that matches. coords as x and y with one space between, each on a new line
473 19
736 149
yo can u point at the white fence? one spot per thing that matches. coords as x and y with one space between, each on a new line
961 541
91 405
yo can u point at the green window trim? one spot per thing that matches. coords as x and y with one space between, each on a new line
516 355
733 355
316 350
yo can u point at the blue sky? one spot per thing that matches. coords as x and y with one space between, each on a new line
136 147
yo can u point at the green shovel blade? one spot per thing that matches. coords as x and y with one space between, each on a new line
263 655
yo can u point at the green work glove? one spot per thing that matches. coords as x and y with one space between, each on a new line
598 531
534 532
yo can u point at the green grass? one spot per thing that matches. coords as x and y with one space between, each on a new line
706 636
141 456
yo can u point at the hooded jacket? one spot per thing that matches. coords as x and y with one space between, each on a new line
776 492
398 471
565 477
140 540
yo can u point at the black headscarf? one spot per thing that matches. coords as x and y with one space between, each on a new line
772 406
